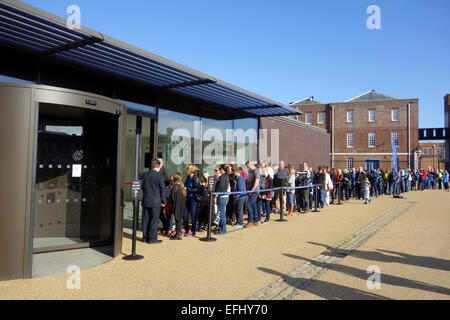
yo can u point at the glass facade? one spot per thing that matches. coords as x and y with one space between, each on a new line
184 139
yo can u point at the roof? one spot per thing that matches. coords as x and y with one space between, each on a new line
306 101
371 95
47 35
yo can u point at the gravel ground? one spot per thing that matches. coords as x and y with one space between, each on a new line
240 263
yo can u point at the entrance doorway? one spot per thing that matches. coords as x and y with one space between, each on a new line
75 184
372 163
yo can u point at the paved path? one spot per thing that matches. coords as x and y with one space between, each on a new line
408 239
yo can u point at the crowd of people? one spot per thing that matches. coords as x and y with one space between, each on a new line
183 206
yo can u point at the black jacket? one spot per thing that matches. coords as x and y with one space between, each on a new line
177 202
166 174
154 189
222 184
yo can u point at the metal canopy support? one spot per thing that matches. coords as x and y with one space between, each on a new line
72 45
188 84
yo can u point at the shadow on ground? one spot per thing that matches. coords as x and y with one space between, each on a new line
326 290
397 257
385 278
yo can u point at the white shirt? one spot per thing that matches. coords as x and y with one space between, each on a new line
328 182
270 171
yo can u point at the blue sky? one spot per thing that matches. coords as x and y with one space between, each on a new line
289 50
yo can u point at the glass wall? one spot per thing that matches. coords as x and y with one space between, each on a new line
184 139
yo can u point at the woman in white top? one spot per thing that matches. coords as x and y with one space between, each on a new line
328 186
291 192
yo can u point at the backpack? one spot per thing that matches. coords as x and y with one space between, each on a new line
285 182
391 176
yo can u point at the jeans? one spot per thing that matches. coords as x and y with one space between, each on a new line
266 208
393 187
323 197
221 207
253 208
290 199
239 207
304 196
191 207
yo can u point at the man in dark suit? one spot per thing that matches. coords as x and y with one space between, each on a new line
154 198
165 173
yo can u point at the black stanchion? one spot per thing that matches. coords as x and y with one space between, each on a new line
210 210
135 191
281 206
339 194
316 199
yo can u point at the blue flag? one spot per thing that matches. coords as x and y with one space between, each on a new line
394 157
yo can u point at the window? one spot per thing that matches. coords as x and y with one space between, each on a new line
350 141
372 140
427 151
395 136
321 117
292 117
439 151
349 164
372 115
394 115
349 116
308 118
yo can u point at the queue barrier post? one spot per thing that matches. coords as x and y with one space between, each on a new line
208 237
316 198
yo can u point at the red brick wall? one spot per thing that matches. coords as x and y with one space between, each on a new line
298 144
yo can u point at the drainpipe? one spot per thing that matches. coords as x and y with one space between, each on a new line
409 135
332 135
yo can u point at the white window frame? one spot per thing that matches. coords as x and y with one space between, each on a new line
318 117
350 164
374 115
429 153
353 116
440 151
306 118
398 138
375 139
392 115
352 139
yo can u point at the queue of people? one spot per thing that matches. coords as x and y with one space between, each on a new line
183 207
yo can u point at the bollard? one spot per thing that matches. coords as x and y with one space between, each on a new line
281 207
316 199
210 210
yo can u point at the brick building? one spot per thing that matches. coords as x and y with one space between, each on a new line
362 128
432 155
447 127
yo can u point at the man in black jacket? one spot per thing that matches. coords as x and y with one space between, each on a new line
153 199
166 176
